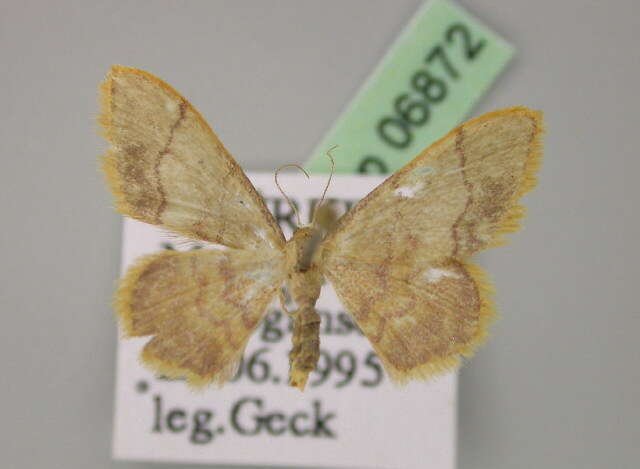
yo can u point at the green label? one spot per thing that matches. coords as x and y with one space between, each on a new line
443 62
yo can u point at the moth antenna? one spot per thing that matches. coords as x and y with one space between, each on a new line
326 187
293 207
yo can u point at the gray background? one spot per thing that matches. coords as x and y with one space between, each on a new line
558 384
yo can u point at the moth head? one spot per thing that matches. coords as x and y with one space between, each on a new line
301 248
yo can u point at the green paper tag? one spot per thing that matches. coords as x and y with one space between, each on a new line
438 68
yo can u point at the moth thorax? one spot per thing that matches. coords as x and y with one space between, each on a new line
301 249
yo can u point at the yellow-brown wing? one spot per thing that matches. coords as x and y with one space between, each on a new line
418 318
200 307
396 259
167 167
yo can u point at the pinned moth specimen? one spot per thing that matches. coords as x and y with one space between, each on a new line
397 260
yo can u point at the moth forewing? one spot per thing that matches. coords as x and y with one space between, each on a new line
167 167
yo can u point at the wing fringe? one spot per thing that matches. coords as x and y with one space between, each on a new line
172 371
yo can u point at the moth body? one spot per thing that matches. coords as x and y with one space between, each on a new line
304 282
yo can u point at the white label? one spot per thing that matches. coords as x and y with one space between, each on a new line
350 415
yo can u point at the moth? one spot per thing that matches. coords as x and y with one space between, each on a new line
398 260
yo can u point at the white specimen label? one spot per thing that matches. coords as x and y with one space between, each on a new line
350 415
